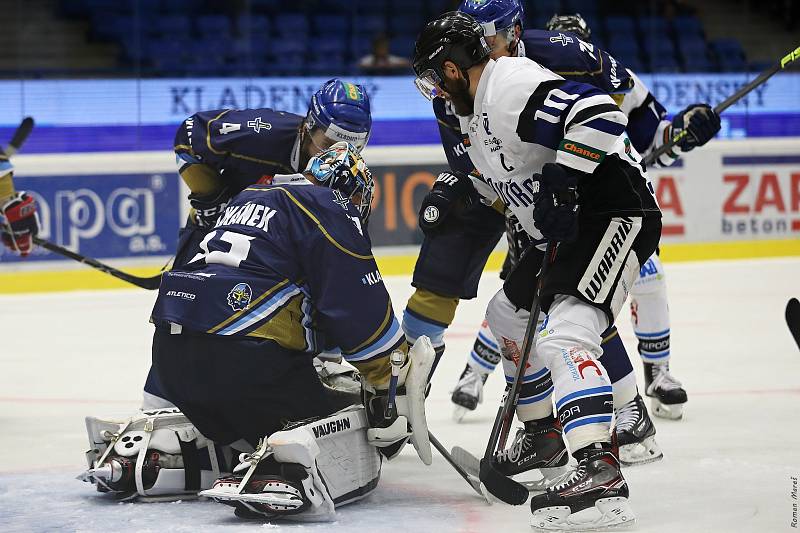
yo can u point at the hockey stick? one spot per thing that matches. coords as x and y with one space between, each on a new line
784 62
472 466
473 481
793 319
506 489
24 129
150 283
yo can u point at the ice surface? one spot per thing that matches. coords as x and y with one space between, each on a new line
727 465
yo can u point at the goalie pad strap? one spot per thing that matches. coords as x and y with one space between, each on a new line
191 464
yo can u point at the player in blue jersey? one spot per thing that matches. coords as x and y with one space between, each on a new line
220 152
286 272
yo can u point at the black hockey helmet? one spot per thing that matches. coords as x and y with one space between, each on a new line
571 23
455 37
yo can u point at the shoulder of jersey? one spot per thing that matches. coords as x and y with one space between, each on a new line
514 78
265 120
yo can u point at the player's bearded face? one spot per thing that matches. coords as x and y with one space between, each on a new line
457 91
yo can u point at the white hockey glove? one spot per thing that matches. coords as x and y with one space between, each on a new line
392 427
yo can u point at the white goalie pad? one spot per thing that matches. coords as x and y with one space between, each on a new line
154 454
412 403
340 467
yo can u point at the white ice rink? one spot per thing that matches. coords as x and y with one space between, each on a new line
727 466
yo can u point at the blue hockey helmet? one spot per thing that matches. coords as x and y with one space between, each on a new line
341 110
342 169
495 15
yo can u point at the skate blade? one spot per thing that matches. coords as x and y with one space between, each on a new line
667 411
550 477
607 514
640 453
276 504
459 413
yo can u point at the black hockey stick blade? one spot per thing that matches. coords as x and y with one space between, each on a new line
793 319
151 283
473 480
472 465
503 488
24 129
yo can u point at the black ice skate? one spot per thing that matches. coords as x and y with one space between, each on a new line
594 497
667 393
270 495
537 446
468 392
636 434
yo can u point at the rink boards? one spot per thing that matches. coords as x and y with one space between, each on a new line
730 199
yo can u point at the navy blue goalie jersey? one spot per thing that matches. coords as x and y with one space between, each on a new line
291 263
242 146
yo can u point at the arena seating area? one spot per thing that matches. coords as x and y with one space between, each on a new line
322 37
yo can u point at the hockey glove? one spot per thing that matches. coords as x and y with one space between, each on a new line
208 207
21 223
700 123
555 207
451 191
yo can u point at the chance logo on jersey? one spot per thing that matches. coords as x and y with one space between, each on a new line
240 296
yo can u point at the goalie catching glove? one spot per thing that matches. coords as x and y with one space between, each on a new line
391 428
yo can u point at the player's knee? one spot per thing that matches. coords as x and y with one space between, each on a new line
505 320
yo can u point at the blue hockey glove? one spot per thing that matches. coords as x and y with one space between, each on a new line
555 207
701 124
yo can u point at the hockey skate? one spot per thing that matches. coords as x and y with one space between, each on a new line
667 393
535 447
277 492
636 434
468 392
594 497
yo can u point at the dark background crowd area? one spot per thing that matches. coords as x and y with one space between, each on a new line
203 38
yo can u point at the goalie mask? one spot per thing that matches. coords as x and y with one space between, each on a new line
342 169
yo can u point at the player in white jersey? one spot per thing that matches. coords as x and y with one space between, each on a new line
556 153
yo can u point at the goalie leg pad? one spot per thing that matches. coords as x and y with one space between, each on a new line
412 403
154 454
304 472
